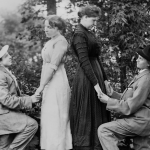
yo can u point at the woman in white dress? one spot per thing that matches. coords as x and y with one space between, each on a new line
55 125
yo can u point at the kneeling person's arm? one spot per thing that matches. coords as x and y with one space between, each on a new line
12 101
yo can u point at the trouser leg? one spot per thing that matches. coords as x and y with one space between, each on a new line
110 133
23 138
141 143
5 141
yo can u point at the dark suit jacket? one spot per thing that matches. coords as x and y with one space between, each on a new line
11 120
134 104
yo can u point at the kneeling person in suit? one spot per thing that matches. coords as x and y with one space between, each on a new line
133 106
11 120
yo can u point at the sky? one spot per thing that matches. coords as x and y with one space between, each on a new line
11 6
8 6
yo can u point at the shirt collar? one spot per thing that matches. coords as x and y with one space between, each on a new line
142 70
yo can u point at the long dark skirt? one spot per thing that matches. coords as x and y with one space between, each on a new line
87 113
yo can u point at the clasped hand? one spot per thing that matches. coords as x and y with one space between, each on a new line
109 89
37 96
39 90
103 97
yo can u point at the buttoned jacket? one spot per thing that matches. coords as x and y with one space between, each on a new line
11 102
134 104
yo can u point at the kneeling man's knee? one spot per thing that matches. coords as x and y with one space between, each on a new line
35 124
32 124
101 130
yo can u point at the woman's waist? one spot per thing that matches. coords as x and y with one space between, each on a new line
50 65
93 62
59 75
58 81
60 70
93 58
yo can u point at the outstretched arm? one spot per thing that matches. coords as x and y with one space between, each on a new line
132 104
49 69
81 48
12 101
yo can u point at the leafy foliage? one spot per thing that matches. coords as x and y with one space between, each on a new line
123 27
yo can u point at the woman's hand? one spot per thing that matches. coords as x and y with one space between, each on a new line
103 98
39 90
35 98
98 89
109 88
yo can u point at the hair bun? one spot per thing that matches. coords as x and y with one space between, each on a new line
56 21
90 11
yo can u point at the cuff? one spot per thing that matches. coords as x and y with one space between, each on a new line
52 66
27 102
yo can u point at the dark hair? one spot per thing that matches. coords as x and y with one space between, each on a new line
56 21
89 11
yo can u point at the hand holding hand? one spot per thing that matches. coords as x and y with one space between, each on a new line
98 90
39 90
109 88
103 98
35 98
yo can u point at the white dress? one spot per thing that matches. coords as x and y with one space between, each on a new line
55 125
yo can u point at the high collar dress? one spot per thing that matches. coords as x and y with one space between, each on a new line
87 113
55 125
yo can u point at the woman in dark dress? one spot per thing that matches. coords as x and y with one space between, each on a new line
86 111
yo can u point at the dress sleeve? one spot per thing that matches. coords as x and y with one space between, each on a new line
81 48
60 48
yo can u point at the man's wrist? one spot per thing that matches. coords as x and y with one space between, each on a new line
32 99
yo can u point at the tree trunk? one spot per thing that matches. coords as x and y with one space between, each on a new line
51 7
